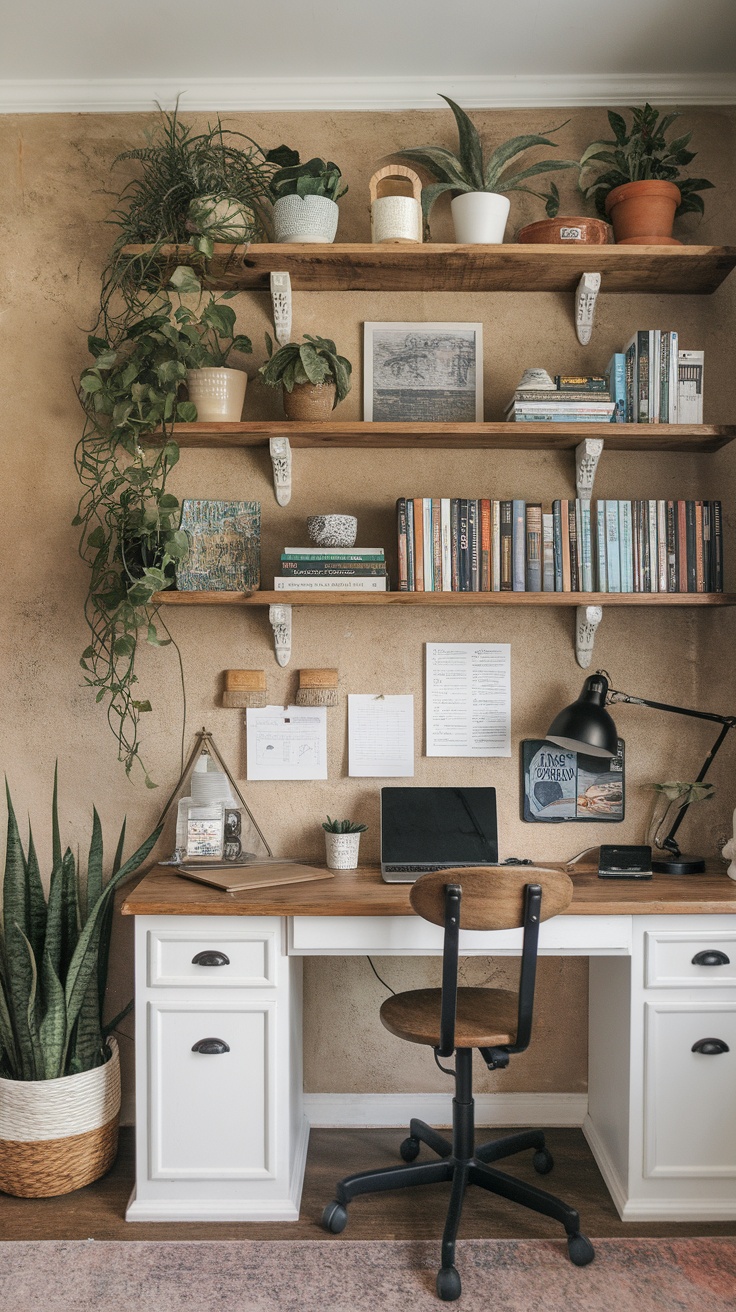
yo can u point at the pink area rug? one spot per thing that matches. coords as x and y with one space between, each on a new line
628 1275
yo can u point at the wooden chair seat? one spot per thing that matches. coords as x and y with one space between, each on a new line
485 1017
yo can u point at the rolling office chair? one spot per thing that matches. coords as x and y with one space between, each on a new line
498 1023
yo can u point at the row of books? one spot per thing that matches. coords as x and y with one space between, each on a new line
319 569
653 382
564 399
465 545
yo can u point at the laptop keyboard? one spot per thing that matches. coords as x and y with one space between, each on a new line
412 870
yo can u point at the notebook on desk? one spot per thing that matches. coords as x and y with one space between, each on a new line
237 879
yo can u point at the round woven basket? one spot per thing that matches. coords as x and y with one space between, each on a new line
58 1135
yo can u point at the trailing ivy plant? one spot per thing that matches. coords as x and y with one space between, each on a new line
130 537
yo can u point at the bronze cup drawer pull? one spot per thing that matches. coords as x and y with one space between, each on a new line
711 957
211 1047
210 957
710 1047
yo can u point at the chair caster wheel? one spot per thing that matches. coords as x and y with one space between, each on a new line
409 1149
543 1161
580 1249
334 1218
448 1284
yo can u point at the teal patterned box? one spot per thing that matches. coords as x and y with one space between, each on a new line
224 546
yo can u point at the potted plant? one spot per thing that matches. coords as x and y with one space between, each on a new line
559 230
481 204
205 342
640 187
305 199
314 378
342 841
59 1065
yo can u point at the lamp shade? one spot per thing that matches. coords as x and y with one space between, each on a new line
585 726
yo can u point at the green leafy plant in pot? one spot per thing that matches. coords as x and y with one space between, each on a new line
215 387
305 198
313 377
481 183
342 843
636 178
59 1066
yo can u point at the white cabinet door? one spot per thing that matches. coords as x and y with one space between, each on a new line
690 1096
212 1113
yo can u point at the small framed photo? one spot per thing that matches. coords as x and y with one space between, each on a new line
423 372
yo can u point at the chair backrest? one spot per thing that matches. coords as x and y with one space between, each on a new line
490 898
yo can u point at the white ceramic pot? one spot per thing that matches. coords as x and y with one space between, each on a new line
480 217
218 394
305 219
342 851
396 218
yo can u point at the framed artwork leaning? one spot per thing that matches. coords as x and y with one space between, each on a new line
224 546
423 372
560 785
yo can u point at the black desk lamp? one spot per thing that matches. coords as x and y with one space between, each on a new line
586 727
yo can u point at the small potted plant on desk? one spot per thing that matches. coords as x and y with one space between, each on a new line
305 199
313 376
342 841
642 190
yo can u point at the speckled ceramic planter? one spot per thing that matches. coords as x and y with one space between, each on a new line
342 851
332 530
305 219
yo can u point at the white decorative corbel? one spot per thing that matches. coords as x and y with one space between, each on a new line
279 617
586 295
280 450
281 299
587 455
587 619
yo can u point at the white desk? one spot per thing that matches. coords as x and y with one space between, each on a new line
223 1136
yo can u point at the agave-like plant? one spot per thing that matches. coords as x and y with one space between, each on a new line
642 154
54 955
471 170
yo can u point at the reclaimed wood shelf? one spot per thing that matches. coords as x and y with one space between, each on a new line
438 267
339 598
358 436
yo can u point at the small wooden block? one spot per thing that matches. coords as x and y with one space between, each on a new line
316 697
244 698
318 678
245 680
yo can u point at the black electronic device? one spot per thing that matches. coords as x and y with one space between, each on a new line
425 829
625 862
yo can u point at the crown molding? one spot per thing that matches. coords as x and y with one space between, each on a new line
140 95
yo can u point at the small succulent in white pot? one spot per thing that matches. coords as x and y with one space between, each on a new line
305 200
342 842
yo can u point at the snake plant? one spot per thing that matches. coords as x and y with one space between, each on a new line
54 954
471 170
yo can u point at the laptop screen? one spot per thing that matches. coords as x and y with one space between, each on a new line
456 826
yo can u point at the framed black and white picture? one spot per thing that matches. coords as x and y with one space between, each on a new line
423 372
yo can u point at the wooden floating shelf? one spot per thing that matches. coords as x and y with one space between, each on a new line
699 438
338 598
427 267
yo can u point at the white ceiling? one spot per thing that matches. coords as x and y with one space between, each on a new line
92 54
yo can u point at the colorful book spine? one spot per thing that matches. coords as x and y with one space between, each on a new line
446 544
496 546
534 548
519 546
699 563
419 544
632 375
661 546
613 548
674 406
332 553
626 545
455 544
464 548
574 557
548 553
653 547
318 583
642 360
474 545
410 546
682 546
717 546
672 582
690 546
586 546
616 374
599 534
485 545
655 368
401 529
567 553
436 546
690 387
581 382
428 544
507 534
707 551
336 568
557 542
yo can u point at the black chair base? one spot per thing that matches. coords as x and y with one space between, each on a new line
463 1164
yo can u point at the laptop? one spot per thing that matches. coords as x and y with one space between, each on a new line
426 829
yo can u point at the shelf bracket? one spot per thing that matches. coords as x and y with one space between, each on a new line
586 295
279 617
587 619
587 454
281 300
280 452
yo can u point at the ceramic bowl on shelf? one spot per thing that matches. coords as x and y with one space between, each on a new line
332 530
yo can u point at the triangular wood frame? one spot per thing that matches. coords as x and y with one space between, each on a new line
205 743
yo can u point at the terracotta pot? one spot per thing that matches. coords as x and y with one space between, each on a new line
575 230
642 213
309 401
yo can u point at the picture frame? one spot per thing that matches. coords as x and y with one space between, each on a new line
423 372
558 785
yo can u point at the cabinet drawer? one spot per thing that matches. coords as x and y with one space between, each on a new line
230 959
210 1116
678 959
690 1125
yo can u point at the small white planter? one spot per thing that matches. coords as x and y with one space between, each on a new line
479 217
342 851
218 394
305 219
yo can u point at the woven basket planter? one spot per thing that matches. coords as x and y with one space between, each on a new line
58 1135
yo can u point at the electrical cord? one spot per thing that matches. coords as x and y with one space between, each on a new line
378 977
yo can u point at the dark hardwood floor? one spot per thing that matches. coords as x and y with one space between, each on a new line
98 1212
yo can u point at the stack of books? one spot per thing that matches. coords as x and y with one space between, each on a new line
562 400
466 545
653 382
354 569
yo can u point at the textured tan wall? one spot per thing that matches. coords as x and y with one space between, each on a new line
54 171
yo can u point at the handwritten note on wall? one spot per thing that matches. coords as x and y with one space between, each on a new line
381 736
468 703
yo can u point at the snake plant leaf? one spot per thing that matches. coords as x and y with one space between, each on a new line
52 1030
440 162
544 166
55 835
117 859
430 194
111 1025
94 864
471 150
69 910
36 900
31 1016
18 973
7 1033
103 954
508 150
87 1046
